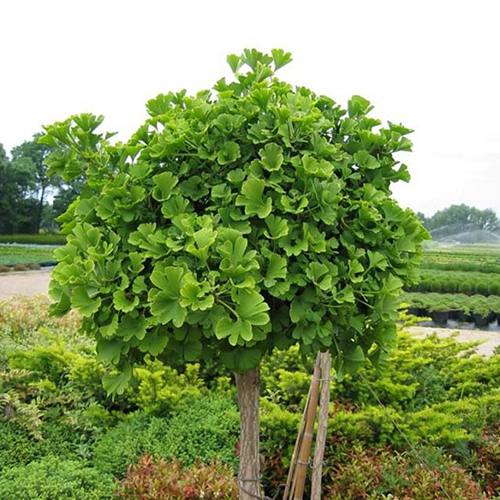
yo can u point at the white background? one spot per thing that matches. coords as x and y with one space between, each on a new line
431 65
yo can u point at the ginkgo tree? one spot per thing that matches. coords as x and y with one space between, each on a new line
251 217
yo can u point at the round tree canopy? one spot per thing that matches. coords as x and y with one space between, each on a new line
255 216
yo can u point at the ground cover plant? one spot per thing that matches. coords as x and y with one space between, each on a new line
233 222
12 255
444 399
472 260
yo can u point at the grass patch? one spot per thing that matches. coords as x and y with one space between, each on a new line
10 255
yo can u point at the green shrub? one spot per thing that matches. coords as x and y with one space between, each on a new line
206 429
55 479
160 388
19 447
159 480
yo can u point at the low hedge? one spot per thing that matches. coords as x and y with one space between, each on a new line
34 239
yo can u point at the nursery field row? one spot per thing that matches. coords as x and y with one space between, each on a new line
432 280
443 306
459 265
468 259
12 255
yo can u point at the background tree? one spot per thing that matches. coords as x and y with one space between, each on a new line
31 155
232 224
464 218
16 205
66 194
422 218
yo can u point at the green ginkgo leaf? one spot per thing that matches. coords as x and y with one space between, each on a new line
164 184
366 160
193 188
349 362
276 227
201 242
251 310
252 198
271 156
302 305
81 300
116 383
136 262
252 307
139 285
233 330
167 309
234 62
154 342
320 275
132 326
194 296
294 204
165 304
280 58
105 208
229 153
125 302
109 350
175 206
236 259
276 269
110 328
168 279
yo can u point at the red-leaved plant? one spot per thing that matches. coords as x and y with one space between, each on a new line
152 479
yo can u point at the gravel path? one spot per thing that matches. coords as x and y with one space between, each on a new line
23 283
490 340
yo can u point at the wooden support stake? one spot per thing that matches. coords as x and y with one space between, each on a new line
319 449
293 462
305 448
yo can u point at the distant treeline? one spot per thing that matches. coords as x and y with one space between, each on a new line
30 199
459 219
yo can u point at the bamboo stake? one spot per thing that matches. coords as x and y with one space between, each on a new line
298 442
319 449
305 449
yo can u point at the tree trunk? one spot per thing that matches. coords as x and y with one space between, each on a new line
40 210
248 386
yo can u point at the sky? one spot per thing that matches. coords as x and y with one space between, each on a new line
430 65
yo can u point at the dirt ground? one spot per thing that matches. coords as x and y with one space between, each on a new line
489 340
34 282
